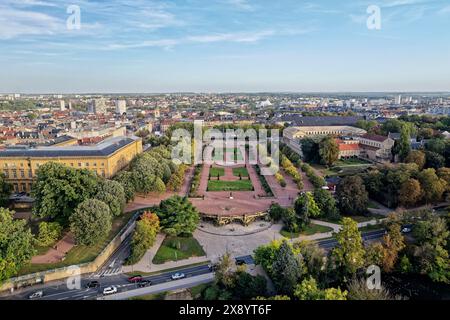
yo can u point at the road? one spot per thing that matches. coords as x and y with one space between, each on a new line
59 290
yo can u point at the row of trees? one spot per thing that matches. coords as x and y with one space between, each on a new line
406 185
291 170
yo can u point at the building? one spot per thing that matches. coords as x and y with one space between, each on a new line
98 106
121 106
348 148
19 165
303 132
376 148
62 105
310 121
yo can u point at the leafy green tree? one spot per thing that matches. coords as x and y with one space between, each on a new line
286 269
329 151
178 216
417 157
432 186
306 207
436 145
393 243
247 286
404 144
405 265
126 179
112 193
16 244
434 160
349 252
49 233
265 255
144 236
224 274
276 212
352 196
310 150
5 190
358 290
308 290
314 259
326 203
410 193
91 222
59 189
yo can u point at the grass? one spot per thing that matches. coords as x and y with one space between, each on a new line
214 172
81 254
238 185
154 296
351 161
310 230
178 248
197 290
371 227
373 205
242 171
367 218
145 274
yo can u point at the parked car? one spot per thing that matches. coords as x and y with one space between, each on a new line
178 276
144 283
109 290
406 230
134 279
36 295
93 284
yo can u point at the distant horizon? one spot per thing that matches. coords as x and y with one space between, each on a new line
226 46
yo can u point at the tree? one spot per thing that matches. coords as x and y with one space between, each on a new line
125 178
144 236
49 232
308 290
349 252
358 290
59 189
404 144
434 160
276 211
5 190
286 269
112 193
432 186
410 193
91 222
247 286
310 150
444 174
394 242
178 216
352 196
326 203
16 244
306 207
224 271
417 157
329 151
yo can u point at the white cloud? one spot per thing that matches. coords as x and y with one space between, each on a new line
241 4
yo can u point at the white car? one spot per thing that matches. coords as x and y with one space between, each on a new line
36 295
406 230
178 276
109 290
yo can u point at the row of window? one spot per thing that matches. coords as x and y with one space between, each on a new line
72 164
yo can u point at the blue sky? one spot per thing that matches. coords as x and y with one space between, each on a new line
224 46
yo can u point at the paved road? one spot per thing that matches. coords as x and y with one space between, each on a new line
59 291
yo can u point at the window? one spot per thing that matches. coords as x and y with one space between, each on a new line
79 164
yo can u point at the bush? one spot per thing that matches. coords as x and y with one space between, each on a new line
49 233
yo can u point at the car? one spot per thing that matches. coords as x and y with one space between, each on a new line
36 295
144 283
212 267
240 262
178 276
109 290
134 279
93 284
406 230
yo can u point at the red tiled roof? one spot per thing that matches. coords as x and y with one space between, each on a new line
348 147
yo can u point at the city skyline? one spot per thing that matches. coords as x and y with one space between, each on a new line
224 46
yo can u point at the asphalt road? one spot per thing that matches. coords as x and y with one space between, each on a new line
59 291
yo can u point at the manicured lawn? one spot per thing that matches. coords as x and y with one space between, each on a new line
238 185
178 248
214 171
242 171
81 254
310 230
352 161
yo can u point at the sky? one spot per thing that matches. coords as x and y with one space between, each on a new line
144 46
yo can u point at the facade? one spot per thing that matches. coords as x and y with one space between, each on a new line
376 148
293 133
20 165
348 148
121 106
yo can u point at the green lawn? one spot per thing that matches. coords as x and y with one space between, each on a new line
238 185
351 161
367 218
243 171
214 171
178 248
81 254
154 296
310 230
371 227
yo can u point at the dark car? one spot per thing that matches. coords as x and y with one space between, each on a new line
93 284
144 283
240 262
135 279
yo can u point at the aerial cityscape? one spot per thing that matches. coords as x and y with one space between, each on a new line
181 160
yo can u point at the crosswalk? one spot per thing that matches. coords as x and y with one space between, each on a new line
108 272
